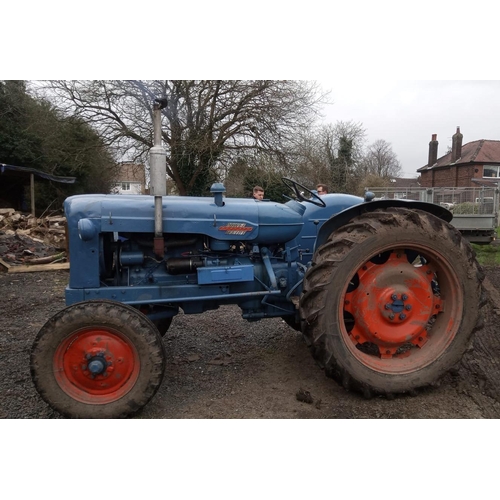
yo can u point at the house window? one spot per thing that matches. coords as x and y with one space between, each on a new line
125 186
491 171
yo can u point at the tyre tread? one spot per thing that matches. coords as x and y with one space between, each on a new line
331 256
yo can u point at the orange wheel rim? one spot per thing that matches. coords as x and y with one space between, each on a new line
401 309
96 365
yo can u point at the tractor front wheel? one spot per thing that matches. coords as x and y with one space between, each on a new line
97 359
391 301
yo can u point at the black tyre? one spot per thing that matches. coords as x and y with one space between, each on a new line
391 301
97 359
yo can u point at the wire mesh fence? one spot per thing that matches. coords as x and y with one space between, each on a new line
460 201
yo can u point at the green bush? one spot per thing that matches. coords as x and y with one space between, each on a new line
465 208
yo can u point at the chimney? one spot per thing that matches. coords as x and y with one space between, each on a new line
433 150
456 146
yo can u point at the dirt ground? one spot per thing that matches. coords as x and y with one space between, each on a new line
221 366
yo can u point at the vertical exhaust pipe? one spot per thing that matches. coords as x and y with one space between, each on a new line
158 176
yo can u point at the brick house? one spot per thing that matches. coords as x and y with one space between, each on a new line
130 179
474 164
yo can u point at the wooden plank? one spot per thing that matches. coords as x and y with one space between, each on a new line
46 260
51 230
38 268
4 266
55 219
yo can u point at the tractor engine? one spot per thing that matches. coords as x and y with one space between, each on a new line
211 253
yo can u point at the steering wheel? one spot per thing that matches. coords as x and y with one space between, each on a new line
294 186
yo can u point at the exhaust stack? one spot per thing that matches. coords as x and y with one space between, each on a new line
158 176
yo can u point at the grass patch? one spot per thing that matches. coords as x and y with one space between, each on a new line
487 255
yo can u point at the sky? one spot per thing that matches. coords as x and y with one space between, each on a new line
406 113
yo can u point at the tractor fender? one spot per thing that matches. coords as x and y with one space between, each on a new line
343 218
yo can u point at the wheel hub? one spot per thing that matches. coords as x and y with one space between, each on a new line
96 363
392 304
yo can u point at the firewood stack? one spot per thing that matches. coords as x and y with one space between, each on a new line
27 241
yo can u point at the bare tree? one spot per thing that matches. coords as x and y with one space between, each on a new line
335 134
208 123
330 154
381 161
306 158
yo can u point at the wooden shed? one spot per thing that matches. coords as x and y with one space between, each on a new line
14 182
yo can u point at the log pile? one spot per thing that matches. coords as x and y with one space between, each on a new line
27 241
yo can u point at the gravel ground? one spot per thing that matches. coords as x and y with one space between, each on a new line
221 366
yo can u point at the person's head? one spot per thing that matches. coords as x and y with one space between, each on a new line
258 193
322 189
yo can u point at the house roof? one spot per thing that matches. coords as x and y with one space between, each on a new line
482 151
21 171
131 172
400 182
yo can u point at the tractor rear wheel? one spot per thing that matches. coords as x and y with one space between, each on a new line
391 301
97 359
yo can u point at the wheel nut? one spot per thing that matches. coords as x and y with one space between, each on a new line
391 316
404 296
388 306
408 307
394 296
402 316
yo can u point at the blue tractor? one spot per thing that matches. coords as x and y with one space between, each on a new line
386 293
